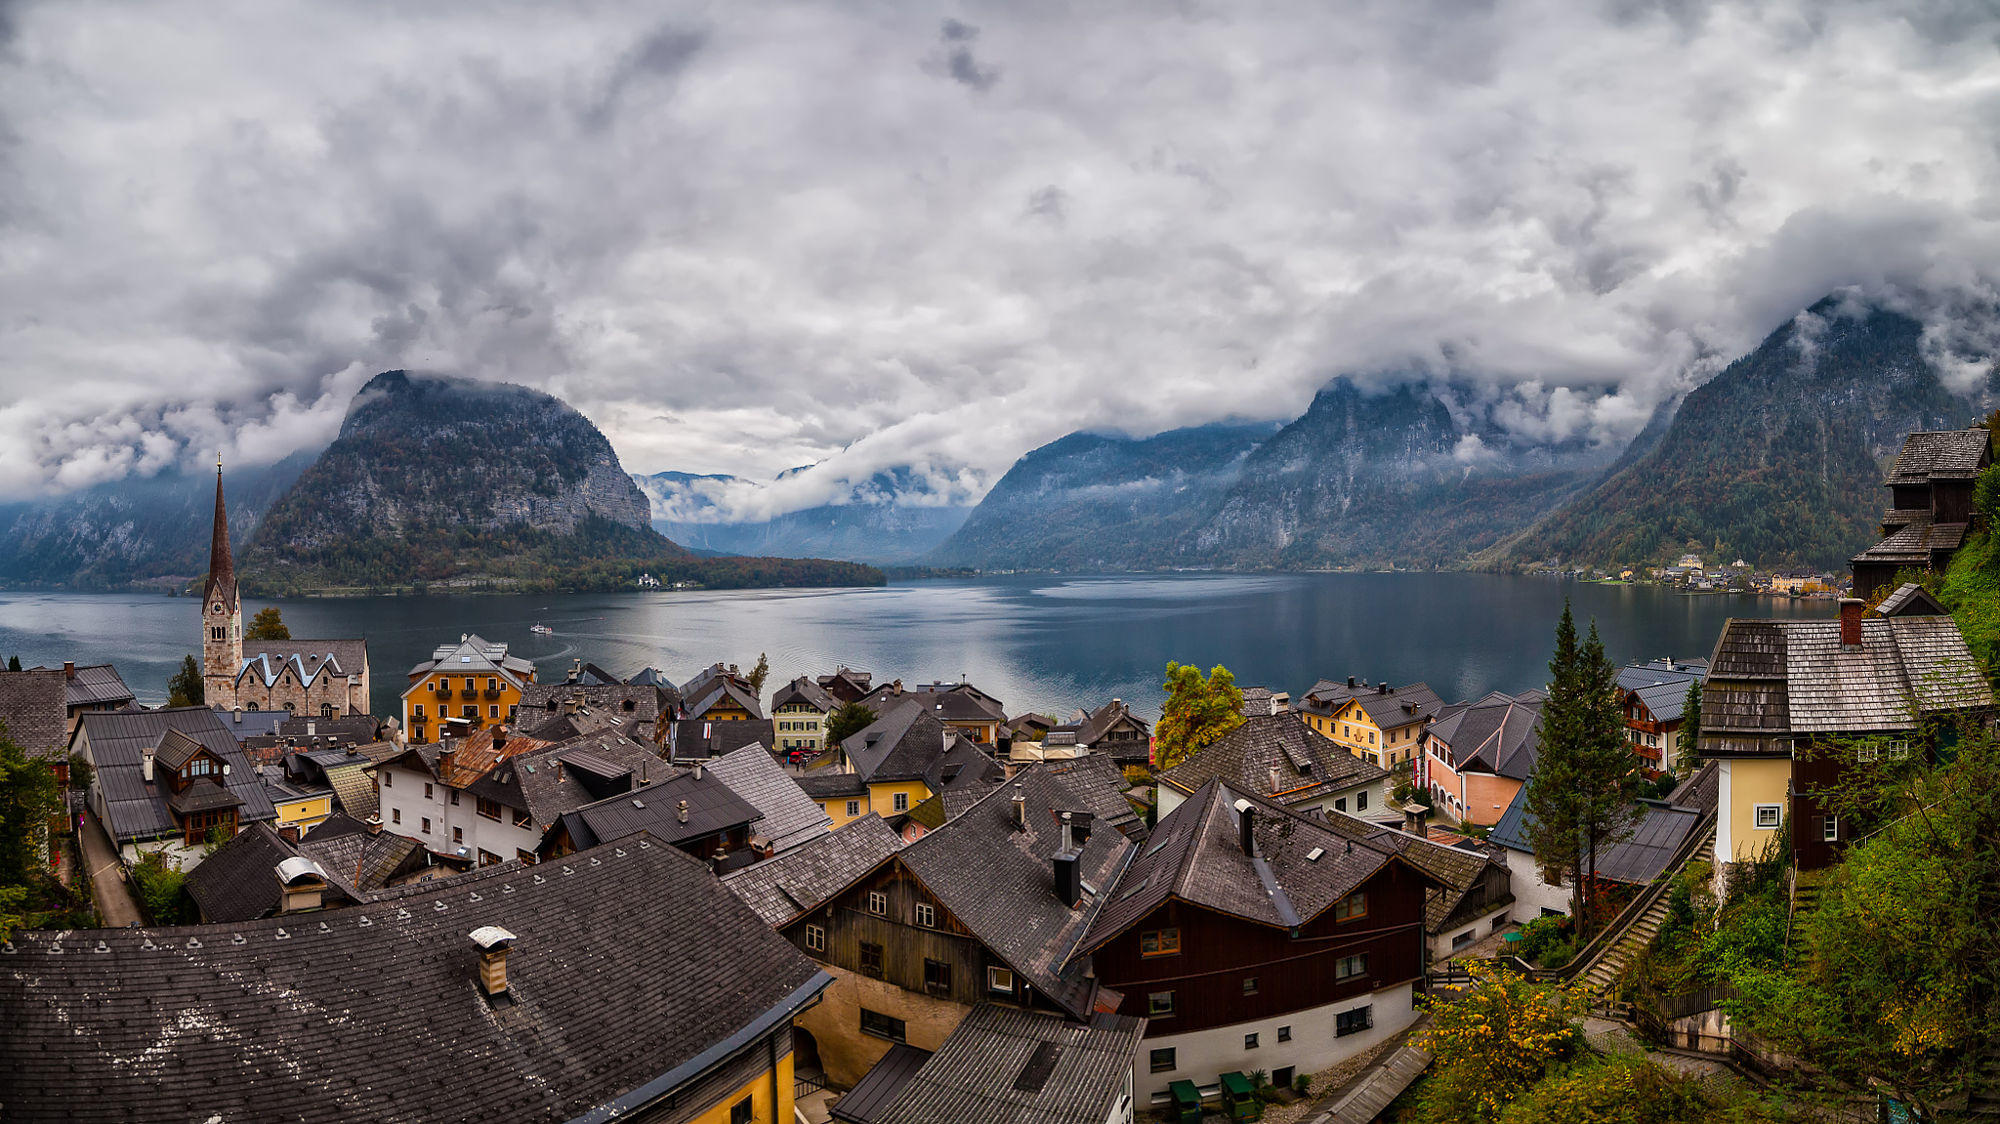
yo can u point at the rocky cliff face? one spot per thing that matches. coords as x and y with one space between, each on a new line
434 476
135 531
1779 459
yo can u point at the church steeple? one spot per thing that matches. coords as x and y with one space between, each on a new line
221 611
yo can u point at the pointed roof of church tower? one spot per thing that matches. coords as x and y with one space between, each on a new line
221 567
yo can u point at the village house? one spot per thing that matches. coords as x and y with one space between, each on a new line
323 677
959 705
799 881
493 796
91 687
1279 757
261 873
33 716
799 711
348 770
589 704
1793 706
983 909
699 739
167 780
500 980
464 688
691 810
1004 1065
896 762
1474 895
1252 937
1262 702
1653 696
1932 511
1477 755
1640 852
720 694
299 807
1114 731
1380 724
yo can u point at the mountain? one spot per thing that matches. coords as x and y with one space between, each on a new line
441 479
892 517
1779 459
133 531
1103 501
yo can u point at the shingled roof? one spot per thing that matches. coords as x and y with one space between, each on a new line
788 816
97 685
239 881
804 691
1003 1065
1950 454
136 808
694 738
34 713
1457 870
1776 679
804 878
711 807
1497 734
631 973
899 746
1912 542
612 704
1398 706
1309 764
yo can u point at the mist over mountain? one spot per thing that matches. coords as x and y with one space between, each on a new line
1779 459
892 517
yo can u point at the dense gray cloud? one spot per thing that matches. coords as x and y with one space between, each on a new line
747 237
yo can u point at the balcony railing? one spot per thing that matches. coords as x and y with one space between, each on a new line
444 692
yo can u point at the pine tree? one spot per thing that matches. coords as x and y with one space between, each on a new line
1554 824
185 688
13 663
1688 747
1607 774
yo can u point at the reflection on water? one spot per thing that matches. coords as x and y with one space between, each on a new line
1037 642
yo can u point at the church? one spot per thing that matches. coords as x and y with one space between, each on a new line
310 678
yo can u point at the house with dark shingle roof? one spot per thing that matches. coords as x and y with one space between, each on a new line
1793 706
901 760
92 687
1114 731
1381 724
34 715
692 810
1474 896
1281 758
799 712
1653 696
988 907
164 780
1477 755
803 878
961 706
787 816
592 705
1252 937
1932 512
247 877
720 694
698 739
624 983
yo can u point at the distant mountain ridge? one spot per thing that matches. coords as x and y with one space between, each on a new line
1779 459
889 518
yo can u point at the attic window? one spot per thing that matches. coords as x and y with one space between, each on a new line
465 659
1313 855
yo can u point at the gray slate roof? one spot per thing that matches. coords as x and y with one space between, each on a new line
239 882
801 880
98 685
34 713
1309 764
1951 454
899 746
1497 734
610 704
655 808
1656 831
698 737
475 655
881 1085
1457 870
1911 600
1399 706
789 816
1003 1065
1912 542
630 964
804 691
832 784
136 807
548 792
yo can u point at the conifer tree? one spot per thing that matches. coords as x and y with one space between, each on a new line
1607 774
1554 826
1688 748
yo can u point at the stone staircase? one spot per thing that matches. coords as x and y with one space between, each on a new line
1601 973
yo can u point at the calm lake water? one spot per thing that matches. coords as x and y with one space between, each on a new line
1037 642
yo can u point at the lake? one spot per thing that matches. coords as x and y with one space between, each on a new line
1040 642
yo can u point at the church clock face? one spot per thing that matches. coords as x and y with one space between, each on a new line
215 608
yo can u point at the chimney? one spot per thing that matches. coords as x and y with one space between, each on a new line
493 942
354 751
1068 834
1850 621
1020 808
1350 682
1414 815
1274 780
146 763
1246 820
499 738
1382 688
69 669
301 885
696 768
375 825
1069 879
681 811
1117 703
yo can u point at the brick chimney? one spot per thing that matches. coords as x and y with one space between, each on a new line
1414 815
1850 621
69 669
493 942
499 738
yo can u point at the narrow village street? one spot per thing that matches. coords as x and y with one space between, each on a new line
115 903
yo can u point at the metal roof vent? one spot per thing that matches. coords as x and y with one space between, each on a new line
493 942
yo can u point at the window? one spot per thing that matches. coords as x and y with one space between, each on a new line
1284 1034
1350 907
468 683
926 915
470 712
902 802
1250 1041
937 977
427 825
1899 750
1161 1061
1000 981
878 902
522 818
1160 1004
492 684
417 711
881 1026
493 711
816 938
739 1113
427 791
395 815
454 796
1353 1022
488 858
1829 829
1160 942
871 959
386 778
488 808
1768 815
1340 805
1249 985
1868 751
528 857
1361 801
458 835
1347 967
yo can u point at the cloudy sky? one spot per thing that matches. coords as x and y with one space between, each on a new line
742 237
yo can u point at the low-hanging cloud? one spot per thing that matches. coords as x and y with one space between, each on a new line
926 238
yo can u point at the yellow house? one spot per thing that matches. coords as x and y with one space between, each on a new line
799 711
463 688
1380 725
896 763
300 807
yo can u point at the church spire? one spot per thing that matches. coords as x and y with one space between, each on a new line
221 567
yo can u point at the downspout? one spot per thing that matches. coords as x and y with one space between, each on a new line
772 1043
